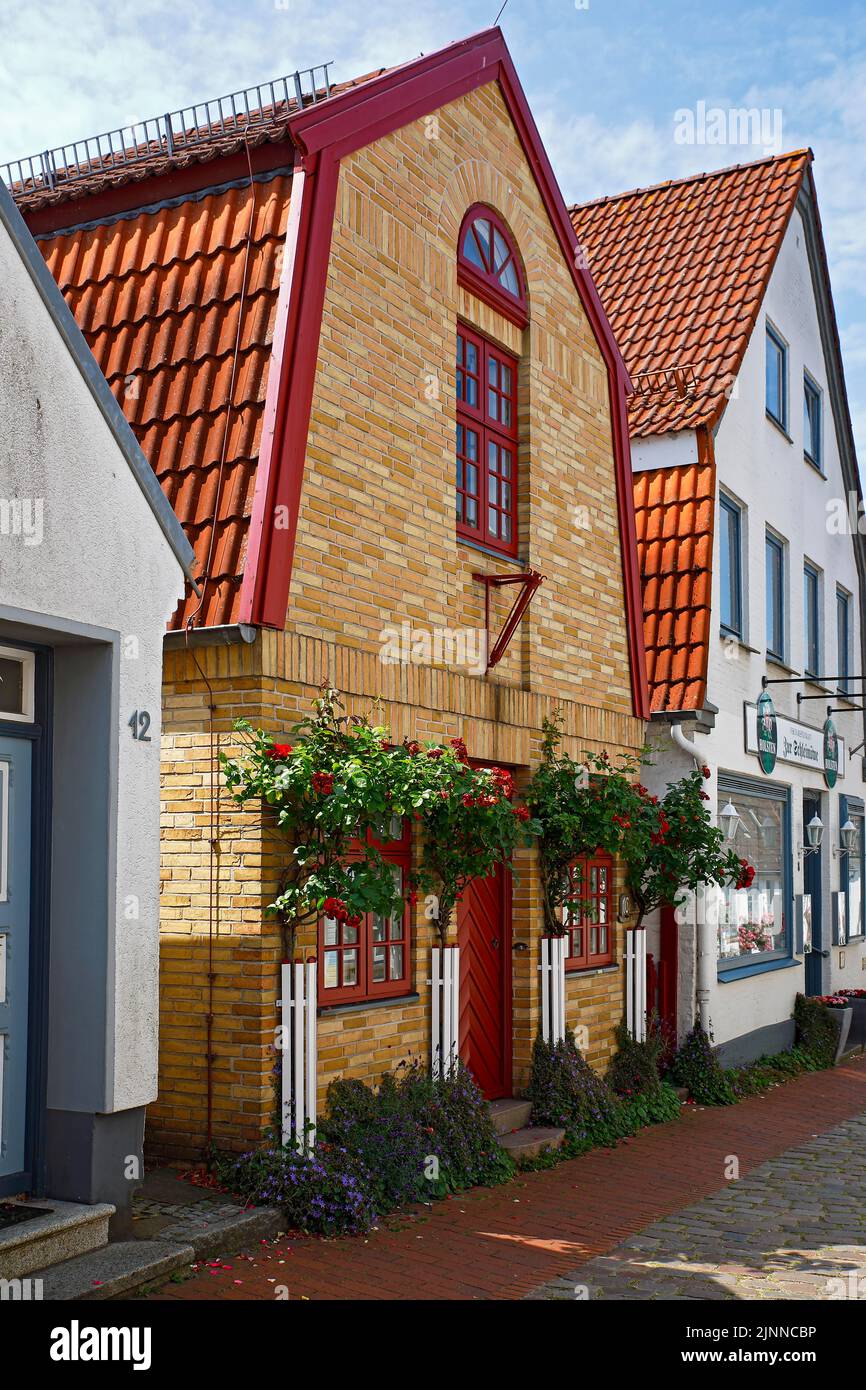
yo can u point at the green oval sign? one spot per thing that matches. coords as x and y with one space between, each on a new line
831 753
768 740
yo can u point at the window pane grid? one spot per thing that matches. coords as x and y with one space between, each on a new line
486 450
372 957
590 941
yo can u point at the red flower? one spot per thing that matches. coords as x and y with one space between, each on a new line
335 907
705 771
278 751
503 780
522 812
468 801
323 782
412 898
413 747
460 749
435 753
356 920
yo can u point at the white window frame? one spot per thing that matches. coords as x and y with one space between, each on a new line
28 686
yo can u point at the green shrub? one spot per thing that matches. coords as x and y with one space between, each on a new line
394 1131
564 1089
636 1067
696 1066
817 1033
412 1138
656 1107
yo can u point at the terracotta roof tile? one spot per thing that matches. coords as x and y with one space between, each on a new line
674 521
681 270
158 295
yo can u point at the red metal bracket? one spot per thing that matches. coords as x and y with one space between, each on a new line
528 582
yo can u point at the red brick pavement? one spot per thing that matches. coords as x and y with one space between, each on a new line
501 1243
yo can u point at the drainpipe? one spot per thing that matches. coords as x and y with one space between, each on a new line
703 941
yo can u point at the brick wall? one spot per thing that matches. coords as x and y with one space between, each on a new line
376 549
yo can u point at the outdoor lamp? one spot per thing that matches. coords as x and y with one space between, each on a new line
729 819
814 836
849 836
815 832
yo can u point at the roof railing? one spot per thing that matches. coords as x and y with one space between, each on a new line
170 134
682 379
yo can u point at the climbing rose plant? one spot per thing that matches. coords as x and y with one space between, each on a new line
333 790
667 844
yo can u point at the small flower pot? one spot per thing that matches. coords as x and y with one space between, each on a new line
842 1019
857 1035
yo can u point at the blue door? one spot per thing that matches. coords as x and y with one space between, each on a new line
15 823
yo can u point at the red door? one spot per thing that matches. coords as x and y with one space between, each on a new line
484 938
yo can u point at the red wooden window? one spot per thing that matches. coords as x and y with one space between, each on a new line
486 455
370 960
488 264
590 924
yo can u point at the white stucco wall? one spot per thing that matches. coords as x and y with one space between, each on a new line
767 474
103 561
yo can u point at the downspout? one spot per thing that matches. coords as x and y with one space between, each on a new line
704 954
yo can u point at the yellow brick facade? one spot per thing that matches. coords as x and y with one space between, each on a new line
377 548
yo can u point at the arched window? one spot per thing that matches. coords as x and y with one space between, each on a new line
488 263
590 922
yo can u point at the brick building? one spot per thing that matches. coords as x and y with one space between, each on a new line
276 304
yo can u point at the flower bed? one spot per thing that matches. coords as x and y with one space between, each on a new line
410 1139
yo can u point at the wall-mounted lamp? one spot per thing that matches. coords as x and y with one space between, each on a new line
624 907
729 820
848 836
814 836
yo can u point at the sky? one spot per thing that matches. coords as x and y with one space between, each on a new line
605 79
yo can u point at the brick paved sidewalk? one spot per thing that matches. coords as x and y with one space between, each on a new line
506 1242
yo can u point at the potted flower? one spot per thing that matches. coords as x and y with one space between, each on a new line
841 1012
753 937
857 999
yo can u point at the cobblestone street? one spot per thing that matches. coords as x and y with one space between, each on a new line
794 1228
653 1218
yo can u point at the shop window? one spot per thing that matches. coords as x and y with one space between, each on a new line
754 923
852 870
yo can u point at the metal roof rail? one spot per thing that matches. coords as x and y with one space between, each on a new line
170 134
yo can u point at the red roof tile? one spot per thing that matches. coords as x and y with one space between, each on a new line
158 295
681 270
674 520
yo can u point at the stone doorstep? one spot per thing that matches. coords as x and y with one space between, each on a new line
125 1266
531 1141
66 1229
509 1114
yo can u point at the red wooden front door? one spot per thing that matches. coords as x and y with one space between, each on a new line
484 938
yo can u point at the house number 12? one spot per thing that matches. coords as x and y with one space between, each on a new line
139 723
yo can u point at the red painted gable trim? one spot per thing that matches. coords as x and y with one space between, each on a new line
324 135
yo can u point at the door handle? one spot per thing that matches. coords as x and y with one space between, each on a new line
494 942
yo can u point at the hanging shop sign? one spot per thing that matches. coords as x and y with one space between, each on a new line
767 732
774 737
831 753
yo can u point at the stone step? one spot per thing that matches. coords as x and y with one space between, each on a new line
531 1141
118 1268
60 1231
510 1114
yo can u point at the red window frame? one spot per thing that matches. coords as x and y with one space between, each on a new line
485 280
370 942
486 442
591 929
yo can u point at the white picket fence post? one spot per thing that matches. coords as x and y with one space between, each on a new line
298 1005
552 970
635 983
445 1011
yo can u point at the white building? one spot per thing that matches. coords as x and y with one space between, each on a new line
746 488
92 561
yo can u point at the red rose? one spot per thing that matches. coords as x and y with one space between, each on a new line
705 771
323 782
413 747
278 751
435 753
468 801
460 749
522 812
